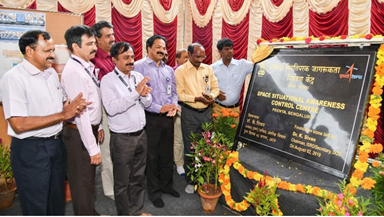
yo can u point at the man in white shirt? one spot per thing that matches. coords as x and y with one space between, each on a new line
125 95
230 74
33 106
82 134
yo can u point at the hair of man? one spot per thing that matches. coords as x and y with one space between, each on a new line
31 39
99 25
152 39
119 48
224 42
74 34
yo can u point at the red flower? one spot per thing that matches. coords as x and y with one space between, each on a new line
344 37
308 40
368 36
270 41
281 40
322 38
258 41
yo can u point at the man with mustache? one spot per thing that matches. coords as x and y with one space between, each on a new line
230 74
160 120
125 95
197 89
33 106
105 39
82 134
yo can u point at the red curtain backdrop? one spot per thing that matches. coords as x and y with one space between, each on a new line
283 28
377 18
239 35
235 4
128 30
32 6
333 23
89 16
203 35
169 31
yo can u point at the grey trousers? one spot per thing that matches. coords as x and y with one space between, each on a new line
129 157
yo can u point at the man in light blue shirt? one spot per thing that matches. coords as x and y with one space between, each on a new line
230 74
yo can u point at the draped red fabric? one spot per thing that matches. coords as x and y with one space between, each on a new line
32 6
333 23
128 30
377 18
169 31
235 4
283 28
89 16
202 5
127 1
204 37
277 2
165 3
239 35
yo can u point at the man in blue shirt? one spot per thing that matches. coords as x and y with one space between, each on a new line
159 116
230 74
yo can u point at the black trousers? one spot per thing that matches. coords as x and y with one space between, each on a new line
129 156
191 122
39 169
80 172
160 155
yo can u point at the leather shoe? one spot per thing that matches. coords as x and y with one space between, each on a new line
158 203
173 193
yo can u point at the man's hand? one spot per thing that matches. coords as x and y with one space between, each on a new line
221 96
96 159
169 109
173 112
76 106
142 87
208 98
100 135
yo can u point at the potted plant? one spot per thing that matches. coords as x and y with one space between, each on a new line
7 183
226 124
209 152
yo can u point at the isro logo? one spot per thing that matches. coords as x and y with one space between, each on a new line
349 74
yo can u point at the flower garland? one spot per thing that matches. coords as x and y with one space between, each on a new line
322 38
361 165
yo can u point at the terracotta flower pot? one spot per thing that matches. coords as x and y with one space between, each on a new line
7 197
209 201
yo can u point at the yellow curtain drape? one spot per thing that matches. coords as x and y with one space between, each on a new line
46 5
275 13
300 18
201 20
234 17
255 16
128 10
16 4
76 6
322 6
359 17
164 15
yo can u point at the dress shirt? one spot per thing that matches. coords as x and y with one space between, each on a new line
103 62
231 78
125 108
29 92
175 67
191 83
160 77
74 80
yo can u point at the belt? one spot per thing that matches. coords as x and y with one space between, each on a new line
156 114
193 109
137 133
229 106
73 126
56 136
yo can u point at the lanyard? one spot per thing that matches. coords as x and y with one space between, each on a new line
125 83
92 77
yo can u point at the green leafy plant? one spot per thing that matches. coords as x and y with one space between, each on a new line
344 203
6 173
264 198
378 190
209 152
226 124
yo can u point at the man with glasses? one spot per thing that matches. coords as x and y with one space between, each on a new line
197 89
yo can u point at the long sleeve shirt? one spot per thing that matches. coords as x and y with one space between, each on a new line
162 82
125 108
192 82
29 92
231 78
74 80
103 62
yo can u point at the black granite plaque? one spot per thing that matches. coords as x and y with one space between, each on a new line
308 105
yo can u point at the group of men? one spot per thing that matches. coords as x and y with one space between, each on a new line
101 113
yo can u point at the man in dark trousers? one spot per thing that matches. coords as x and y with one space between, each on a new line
125 95
82 134
160 120
33 106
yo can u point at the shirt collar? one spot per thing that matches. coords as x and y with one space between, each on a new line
150 61
33 70
100 52
120 73
189 65
233 62
87 65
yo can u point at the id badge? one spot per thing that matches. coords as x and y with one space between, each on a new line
169 89
207 89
